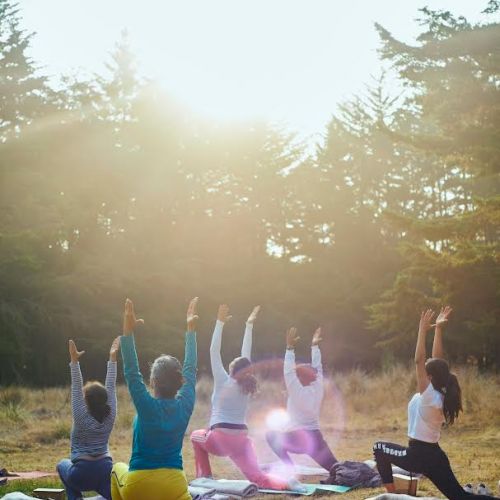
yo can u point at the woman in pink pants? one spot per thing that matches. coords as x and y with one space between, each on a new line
227 435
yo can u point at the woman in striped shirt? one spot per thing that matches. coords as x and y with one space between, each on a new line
94 410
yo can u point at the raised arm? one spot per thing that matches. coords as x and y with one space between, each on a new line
316 354
420 352
111 375
143 401
246 347
78 406
441 320
218 371
291 379
187 393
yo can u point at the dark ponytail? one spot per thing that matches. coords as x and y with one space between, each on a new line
241 370
447 384
96 399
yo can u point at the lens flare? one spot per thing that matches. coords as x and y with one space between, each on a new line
277 419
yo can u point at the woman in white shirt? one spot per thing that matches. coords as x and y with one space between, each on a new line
437 401
304 385
227 435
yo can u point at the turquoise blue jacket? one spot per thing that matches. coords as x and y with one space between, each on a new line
160 424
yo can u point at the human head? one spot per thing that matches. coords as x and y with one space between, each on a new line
447 384
241 370
306 373
96 399
166 376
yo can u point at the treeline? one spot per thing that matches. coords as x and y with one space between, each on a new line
109 189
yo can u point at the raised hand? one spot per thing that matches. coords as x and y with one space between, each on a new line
113 350
74 353
129 320
253 315
191 316
291 338
426 321
317 337
443 316
223 313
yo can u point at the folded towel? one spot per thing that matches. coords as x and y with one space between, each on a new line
237 487
200 493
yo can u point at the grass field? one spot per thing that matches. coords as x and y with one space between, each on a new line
358 409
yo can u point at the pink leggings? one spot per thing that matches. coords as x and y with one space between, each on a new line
239 448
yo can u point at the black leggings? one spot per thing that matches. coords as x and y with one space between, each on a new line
423 458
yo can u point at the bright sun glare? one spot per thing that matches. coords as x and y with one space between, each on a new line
286 61
277 420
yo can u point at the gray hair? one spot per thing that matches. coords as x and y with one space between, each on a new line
166 376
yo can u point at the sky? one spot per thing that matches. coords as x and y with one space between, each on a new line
290 62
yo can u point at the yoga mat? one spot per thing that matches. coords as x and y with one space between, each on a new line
302 470
35 474
311 489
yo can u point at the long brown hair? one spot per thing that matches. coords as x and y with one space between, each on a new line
447 384
241 370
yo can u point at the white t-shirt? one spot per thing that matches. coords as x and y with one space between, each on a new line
229 403
425 415
304 402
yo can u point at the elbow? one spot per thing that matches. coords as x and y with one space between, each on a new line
419 360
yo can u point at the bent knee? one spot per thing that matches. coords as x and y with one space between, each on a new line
378 448
198 436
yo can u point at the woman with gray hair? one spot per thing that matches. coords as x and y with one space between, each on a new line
156 470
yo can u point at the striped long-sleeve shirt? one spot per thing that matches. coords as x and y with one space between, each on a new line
88 436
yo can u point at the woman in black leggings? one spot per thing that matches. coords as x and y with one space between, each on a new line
437 401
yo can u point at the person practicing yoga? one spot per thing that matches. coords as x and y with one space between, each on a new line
304 385
228 432
155 471
437 401
94 409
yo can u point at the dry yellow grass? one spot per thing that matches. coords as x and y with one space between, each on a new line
358 409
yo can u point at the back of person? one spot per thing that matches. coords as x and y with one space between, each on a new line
155 470
94 410
229 403
304 406
90 437
425 415
158 436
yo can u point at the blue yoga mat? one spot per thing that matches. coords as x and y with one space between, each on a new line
311 489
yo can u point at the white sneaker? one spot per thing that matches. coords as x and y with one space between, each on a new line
469 488
482 489
296 485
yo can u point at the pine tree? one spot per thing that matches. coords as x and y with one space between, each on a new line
452 254
23 91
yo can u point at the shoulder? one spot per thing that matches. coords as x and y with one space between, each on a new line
431 397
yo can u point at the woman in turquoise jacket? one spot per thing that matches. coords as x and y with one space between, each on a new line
155 470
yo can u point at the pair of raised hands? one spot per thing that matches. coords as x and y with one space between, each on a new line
427 316
75 354
292 338
130 322
224 316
